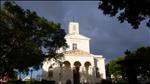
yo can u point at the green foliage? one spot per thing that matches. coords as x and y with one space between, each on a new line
134 63
23 34
141 59
132 11
116 70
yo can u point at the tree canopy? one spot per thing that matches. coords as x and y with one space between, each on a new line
116 71
138 64
132 65
23 35
132 11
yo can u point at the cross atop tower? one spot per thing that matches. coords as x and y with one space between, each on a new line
73 19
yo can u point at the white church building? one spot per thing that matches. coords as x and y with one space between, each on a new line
78 65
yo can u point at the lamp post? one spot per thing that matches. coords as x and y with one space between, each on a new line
31 74
60 73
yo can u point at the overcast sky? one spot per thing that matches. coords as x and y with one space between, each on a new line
108 37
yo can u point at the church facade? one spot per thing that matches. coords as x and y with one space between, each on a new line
78 65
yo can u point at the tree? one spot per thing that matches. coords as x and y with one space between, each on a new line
23 35
137 63
132 65
116 71
132 11
143 69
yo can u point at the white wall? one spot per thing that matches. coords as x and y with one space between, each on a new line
81 44
101 66
68 74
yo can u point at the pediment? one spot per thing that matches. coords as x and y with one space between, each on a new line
76 53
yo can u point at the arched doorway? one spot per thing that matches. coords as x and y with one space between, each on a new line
67 64
67 72
76 73
87 64
87 75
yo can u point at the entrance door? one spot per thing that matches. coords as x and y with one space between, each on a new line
76 75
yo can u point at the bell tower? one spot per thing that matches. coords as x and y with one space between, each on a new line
75 40
73 27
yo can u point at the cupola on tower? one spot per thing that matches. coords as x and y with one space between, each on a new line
73 28
75 40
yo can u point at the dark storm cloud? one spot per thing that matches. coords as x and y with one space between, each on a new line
51 10
108 36
117 38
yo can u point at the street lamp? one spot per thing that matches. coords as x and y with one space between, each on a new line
60 73
31 74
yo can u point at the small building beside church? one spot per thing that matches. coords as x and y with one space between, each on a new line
78 65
